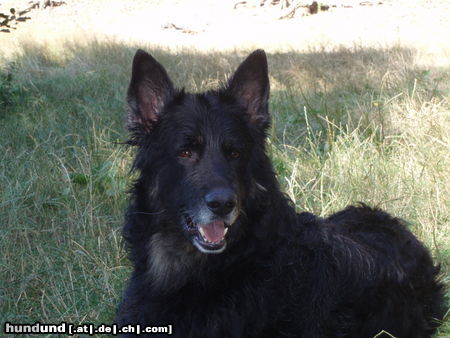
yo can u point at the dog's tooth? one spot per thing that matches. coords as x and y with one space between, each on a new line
225 232
201 232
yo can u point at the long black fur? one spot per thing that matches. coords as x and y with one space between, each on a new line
282 274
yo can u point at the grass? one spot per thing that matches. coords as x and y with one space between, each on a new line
350 125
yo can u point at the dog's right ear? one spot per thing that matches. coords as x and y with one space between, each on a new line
150 88
250 86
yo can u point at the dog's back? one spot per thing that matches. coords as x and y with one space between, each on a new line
383 277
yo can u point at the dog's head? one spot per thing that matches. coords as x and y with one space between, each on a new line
200 155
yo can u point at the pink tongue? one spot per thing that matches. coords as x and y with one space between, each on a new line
215 231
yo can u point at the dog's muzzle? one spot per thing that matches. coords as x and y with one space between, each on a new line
208 238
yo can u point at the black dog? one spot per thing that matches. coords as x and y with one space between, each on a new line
218 250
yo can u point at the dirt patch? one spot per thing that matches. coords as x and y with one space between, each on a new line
219 25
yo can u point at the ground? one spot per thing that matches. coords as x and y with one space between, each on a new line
206 25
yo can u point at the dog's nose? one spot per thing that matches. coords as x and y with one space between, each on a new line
221 201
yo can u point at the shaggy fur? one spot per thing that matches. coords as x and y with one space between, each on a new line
218 250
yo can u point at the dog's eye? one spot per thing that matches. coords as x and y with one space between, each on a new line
185 153
235 154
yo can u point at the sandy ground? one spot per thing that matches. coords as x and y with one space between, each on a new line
216 25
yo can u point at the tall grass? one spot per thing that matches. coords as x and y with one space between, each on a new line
351 125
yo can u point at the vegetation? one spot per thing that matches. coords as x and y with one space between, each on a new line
349 125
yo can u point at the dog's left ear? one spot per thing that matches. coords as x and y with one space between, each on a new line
250 86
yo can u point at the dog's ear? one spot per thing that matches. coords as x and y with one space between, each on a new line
150 88
250 86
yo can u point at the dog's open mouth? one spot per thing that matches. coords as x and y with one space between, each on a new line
208 238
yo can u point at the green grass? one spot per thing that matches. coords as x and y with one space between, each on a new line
350 125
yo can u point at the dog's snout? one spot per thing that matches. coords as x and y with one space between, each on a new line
221 201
